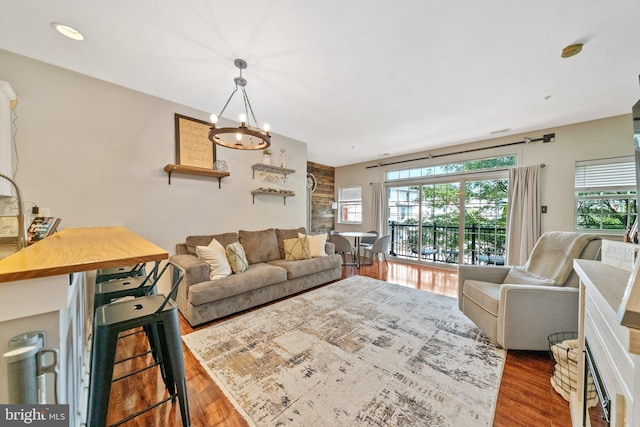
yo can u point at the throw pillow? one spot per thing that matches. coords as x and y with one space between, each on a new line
316 244
520 276
296 249
237 257
288 233
216 256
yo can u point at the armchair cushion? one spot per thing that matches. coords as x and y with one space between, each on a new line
520 276
485 294
483 273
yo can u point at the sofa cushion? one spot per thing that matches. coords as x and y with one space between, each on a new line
296 249
215 256
316 244
224 239
257 276
520 276
237 258
305 267
283 234
260 246
485 294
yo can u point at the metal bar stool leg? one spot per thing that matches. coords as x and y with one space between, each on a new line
104 343
171 329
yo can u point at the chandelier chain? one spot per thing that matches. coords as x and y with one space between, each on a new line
248 103
227 103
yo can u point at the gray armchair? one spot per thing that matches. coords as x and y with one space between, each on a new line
519 307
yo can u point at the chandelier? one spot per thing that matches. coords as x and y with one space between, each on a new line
245 136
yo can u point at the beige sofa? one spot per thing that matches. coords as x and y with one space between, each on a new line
268 278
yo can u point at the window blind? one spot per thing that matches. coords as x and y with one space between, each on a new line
350 194
606 174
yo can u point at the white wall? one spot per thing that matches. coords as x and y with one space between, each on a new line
603 138
93 153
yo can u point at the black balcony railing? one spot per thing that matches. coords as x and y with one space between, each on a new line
482 245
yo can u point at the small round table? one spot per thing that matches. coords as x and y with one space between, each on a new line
357 235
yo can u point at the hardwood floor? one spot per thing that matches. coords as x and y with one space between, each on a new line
526 397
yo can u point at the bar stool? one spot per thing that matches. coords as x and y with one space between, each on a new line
126 286
132 287
106 274
156 312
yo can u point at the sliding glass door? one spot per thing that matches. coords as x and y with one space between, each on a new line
426 221
485 221
440 209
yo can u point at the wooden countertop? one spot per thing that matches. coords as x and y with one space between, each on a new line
79 249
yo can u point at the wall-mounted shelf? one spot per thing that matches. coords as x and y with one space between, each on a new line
272 169
283 194
192 170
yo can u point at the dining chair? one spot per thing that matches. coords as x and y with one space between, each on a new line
380 246
344 247
366 242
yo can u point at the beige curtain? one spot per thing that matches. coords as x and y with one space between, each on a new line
377 205
523 220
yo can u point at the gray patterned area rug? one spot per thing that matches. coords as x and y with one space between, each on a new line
359 352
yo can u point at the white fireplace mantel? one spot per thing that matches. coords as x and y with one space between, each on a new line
602 288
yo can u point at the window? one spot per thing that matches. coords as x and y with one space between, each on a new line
350 205
425 211
605 192
477 165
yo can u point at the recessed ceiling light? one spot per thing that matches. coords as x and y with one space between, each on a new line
67 31
500 131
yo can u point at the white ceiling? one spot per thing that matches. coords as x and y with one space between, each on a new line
355 79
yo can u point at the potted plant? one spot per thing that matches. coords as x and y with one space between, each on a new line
266 156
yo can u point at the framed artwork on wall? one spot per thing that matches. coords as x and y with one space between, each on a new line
193 147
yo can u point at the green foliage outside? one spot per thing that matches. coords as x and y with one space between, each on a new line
606 210
485 203
485 213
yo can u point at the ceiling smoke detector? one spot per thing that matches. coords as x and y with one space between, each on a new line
572 50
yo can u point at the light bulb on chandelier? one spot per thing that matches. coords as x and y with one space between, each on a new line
258 139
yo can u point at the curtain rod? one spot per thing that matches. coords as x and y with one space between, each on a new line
546 138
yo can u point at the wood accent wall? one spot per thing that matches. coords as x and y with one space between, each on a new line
322 216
